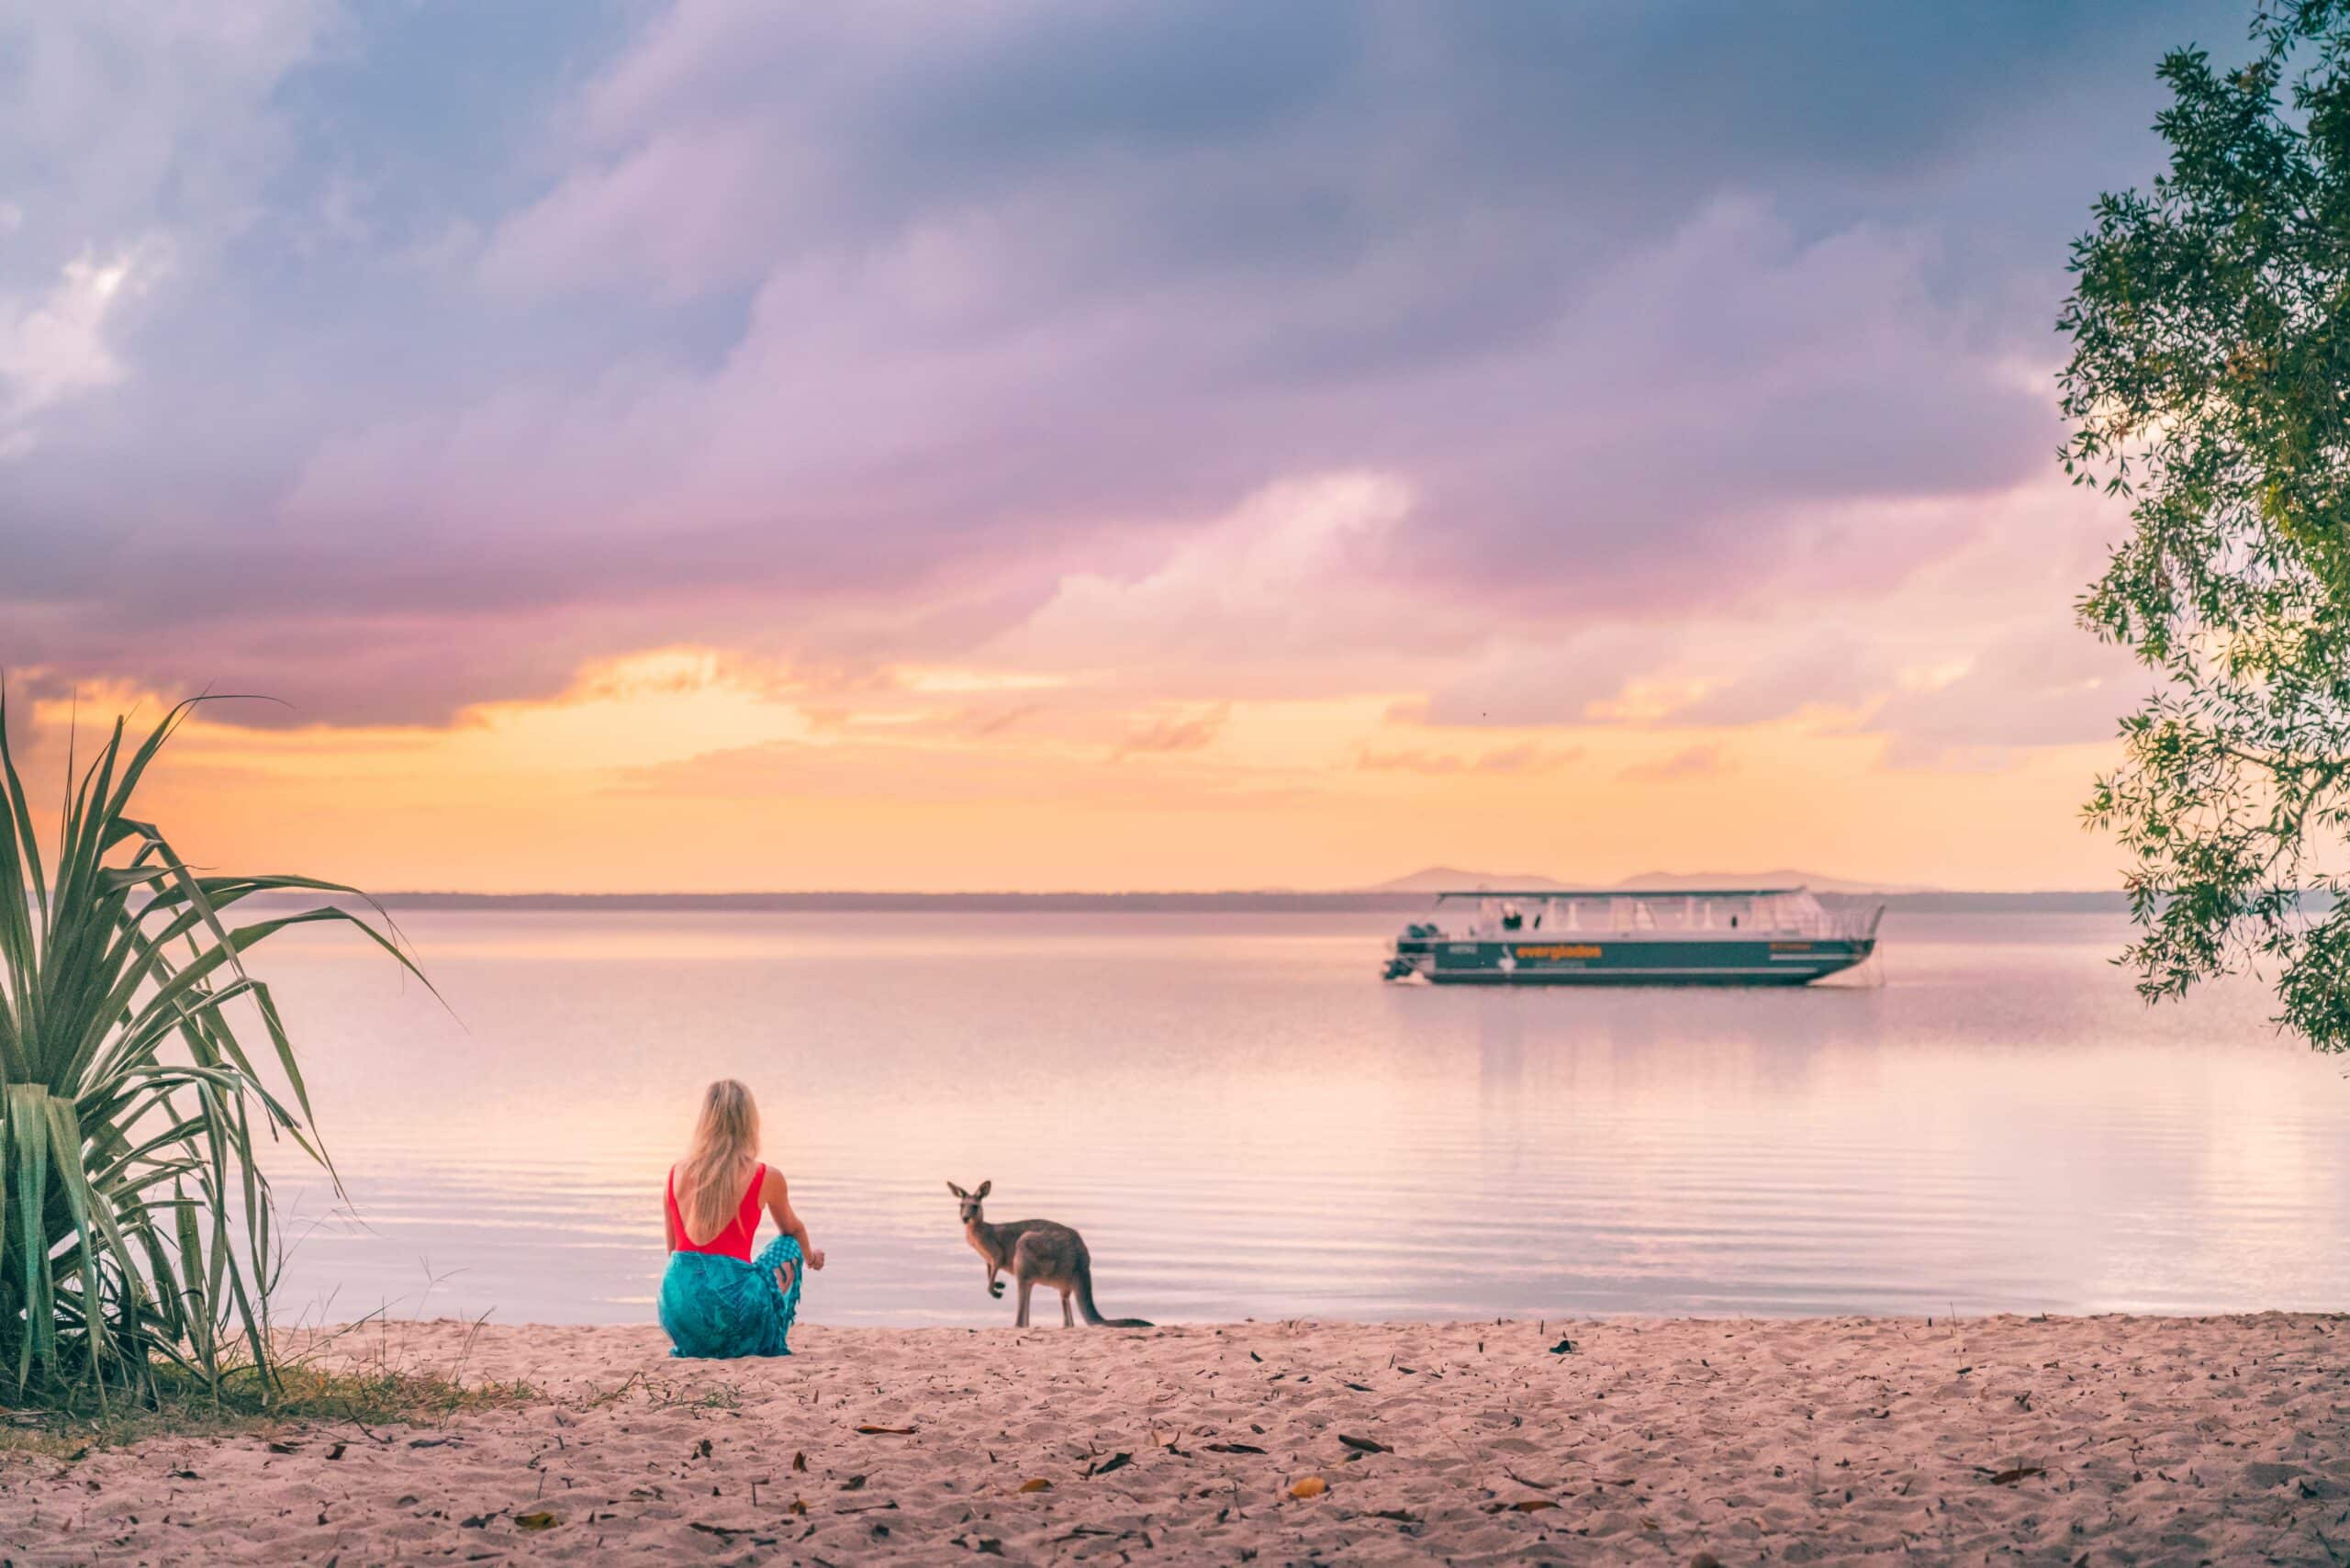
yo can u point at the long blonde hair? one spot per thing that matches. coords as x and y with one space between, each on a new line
718 1164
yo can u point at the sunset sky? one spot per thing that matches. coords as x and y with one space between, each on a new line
1044 445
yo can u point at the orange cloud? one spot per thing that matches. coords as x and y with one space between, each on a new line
1526 757
1704 761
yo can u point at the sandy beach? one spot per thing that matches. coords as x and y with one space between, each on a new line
2108 1439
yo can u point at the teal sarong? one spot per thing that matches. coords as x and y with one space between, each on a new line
719 1306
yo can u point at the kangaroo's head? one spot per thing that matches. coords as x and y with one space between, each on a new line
970 1200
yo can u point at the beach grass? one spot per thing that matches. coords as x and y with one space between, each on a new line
310 1391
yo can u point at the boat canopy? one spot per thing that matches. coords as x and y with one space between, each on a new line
1661 914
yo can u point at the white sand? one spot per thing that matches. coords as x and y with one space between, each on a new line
2147 1439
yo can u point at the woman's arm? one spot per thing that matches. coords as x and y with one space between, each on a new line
777 1197
668 1226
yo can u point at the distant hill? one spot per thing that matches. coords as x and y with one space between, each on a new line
1443 878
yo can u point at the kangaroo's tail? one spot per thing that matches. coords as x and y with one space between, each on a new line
1092 1314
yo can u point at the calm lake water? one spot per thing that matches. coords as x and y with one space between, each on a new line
1245 1122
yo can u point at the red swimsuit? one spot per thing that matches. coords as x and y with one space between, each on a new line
734 1241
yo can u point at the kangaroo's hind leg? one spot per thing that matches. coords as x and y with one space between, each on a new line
1068 1317
1027 1264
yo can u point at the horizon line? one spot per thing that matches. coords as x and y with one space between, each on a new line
1099 893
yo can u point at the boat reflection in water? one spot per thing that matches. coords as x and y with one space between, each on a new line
1683 936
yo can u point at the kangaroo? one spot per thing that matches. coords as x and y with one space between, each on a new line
1038 1252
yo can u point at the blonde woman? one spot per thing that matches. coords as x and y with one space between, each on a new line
716 1299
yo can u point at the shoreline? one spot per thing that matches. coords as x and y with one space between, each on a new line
2125 1439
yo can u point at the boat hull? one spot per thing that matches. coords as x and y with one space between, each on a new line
1625 961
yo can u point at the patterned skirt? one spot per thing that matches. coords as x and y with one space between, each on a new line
719 1306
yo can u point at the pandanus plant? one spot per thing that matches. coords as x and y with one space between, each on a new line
134 1216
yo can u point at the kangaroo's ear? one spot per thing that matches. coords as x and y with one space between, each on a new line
983 1189
956 1190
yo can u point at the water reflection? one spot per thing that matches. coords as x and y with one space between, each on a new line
1245 1122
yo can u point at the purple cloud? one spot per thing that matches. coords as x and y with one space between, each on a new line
839 336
